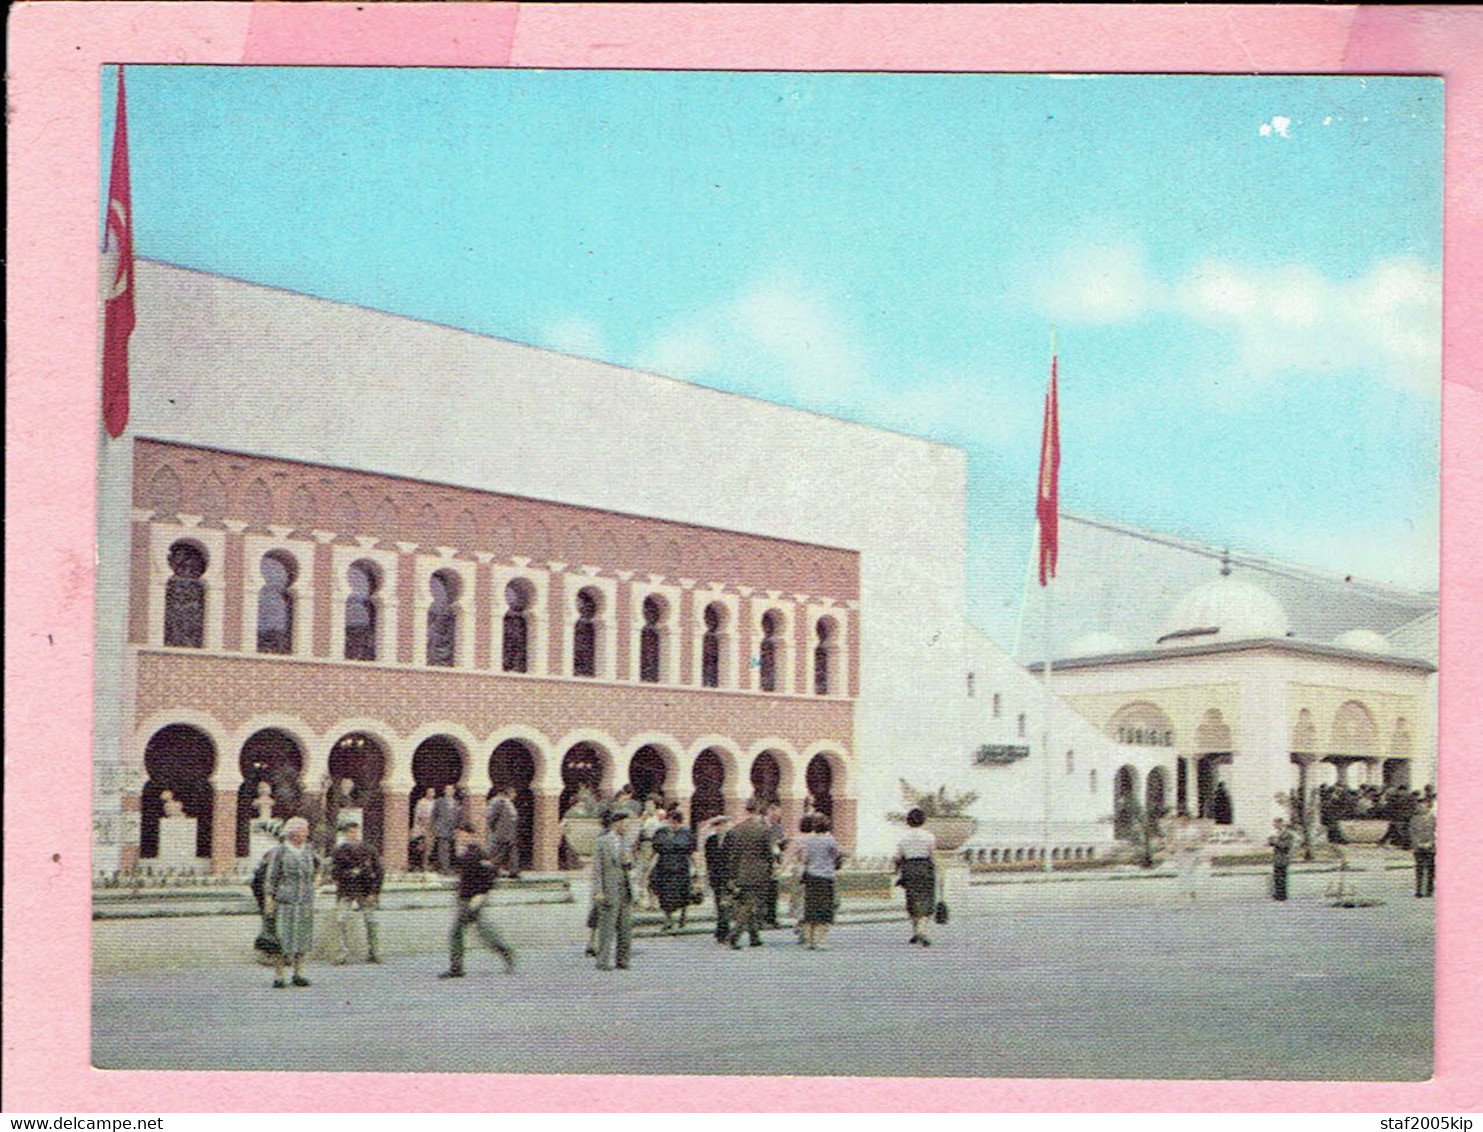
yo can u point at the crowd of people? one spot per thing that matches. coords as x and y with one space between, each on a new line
1394 804
647 854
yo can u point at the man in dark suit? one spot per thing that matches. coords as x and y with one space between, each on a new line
1423 830
718 871
750 847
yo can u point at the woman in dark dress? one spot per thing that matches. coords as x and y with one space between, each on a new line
916 873
674 845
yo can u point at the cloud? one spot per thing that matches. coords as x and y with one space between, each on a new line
781 339
1287 318
1403 552
1278 125
575 336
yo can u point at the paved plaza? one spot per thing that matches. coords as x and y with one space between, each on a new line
1088 978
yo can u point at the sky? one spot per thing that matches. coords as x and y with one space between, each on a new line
1243 273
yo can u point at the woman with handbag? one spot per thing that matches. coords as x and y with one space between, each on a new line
821 857
673 845
916 873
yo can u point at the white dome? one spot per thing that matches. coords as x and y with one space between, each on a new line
1097 643
1362 640
1226 609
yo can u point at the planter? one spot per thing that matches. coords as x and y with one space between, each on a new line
581 834
951 833
1363 831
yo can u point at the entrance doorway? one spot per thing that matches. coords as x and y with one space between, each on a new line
274 757
709 780
581 766
819 778
437 763
767 777
647 772
1213 795
513 763
361 759
180 759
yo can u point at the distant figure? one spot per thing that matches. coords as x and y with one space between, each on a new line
674 845
718 871
917 874
357 876
174 808
503 821
288 897
750 845
421 838
821 857
1220 804
643 856
612 891
1282 842
1423 832
447 817
1187 843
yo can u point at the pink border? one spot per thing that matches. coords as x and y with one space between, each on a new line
52 433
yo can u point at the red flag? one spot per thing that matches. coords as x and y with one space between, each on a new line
1047 505
118 300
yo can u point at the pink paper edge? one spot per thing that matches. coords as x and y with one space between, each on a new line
52 434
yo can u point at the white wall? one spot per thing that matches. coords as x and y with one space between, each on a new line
223 364
1012 798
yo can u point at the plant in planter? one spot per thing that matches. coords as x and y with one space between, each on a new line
582 822
947 814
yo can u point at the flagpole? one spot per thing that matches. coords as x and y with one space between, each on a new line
1019 624
1048 743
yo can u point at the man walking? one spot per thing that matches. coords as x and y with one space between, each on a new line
1282 842
503 821
1423 830
750 846
476 874
718 872
612 893
447 817
357 876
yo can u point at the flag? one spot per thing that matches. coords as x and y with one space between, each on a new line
1047 505
118 295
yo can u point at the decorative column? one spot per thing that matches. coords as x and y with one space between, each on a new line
224 789
406 602
792 813
323 598
844 821
233 581
686 670
735 806
625 665
546 832
486 603
396 810
746 673
556 621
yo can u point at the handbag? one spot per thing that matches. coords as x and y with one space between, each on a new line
940 913
267 938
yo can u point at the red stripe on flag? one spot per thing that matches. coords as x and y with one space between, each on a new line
1047 498
118 303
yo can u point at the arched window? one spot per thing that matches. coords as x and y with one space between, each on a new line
767 674
998 704
185 596
1092 779
651 640
584 634
824 658
710 645
275 603
1070 762
1020 725
516 649
442 618
970 685
361 608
